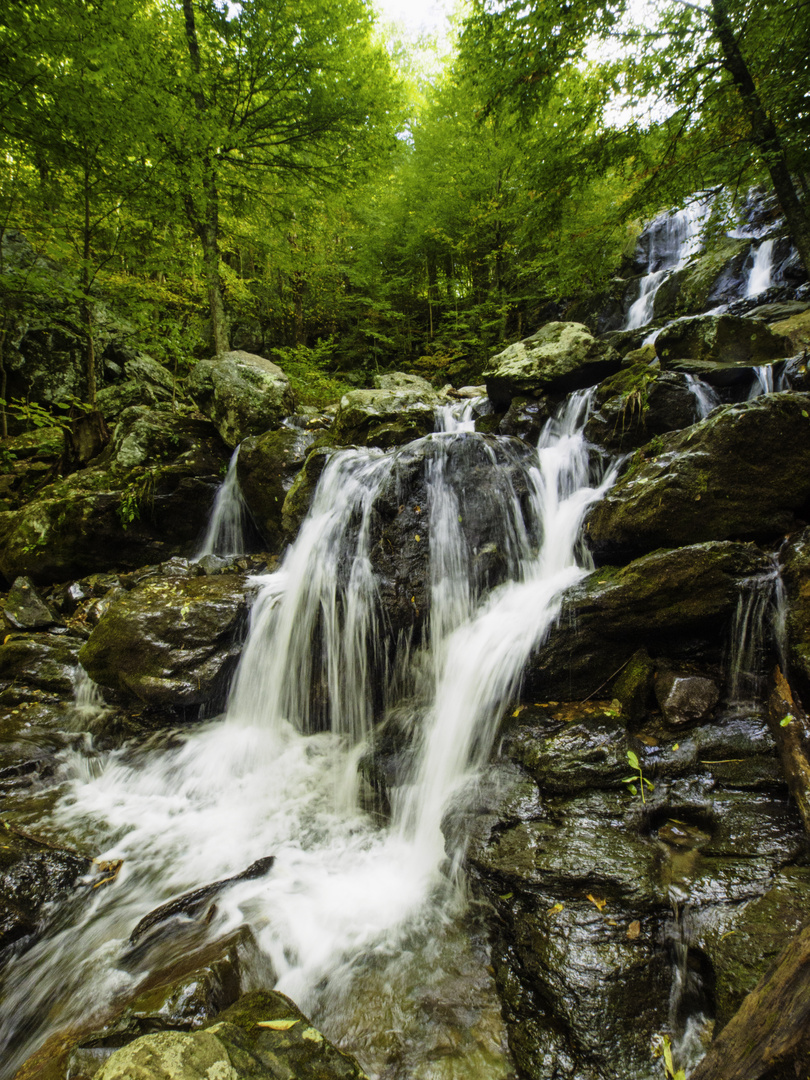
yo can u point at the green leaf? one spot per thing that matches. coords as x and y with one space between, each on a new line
633 759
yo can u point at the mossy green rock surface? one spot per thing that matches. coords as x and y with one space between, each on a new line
267 467
385 417
722 339
561 356
241 394
742 473
173 641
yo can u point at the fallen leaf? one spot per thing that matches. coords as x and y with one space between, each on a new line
417 538
277 1025
633 930
555 910
506 896
648 740
598 904
518 710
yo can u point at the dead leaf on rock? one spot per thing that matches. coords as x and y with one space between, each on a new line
277 1025
633 930
597 903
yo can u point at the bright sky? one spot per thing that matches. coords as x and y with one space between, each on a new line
418 16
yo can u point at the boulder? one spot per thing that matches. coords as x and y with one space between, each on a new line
638 402
721 339
689 592
144 499
685 698
796 328
299 497
173 641
714 277
560 357
40 662
25 609
263 1035
385 417
401 380
697 484
242 394
266 469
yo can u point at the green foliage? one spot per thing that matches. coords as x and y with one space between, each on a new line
137 497
638 781
307 370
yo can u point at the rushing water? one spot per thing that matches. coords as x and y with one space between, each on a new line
673 239
354 914
761 272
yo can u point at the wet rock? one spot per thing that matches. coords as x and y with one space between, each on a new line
688 592
796 328
242 394
685 698
145 498
266 468
796 578
385 417
32 874
696 485
45 662
713 276
525 418
181 1056
634 686
171 641
721 339
558 358
401 380
638 402
25 609
299 498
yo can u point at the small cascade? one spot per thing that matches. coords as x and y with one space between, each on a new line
690 1012
761 273
706 397
758 621
278 774
460 415
226 528
763 381
672 241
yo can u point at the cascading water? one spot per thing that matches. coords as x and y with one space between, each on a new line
706 397
226 528
353 915
763 381
673 240
760 274
759 616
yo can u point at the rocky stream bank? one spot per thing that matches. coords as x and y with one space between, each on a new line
635 858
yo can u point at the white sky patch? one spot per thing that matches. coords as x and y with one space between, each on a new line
418 16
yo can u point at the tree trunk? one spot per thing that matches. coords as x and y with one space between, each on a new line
793 740
764 135
87 311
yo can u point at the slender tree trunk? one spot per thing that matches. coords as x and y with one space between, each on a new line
87 310
206 221
763 132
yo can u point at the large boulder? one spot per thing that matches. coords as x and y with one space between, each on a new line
715 276
173 641
144 499
389 416
266 469
742 473
560 357
721 339
688 592
638 402
242 394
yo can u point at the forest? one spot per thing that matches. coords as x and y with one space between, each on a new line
292 179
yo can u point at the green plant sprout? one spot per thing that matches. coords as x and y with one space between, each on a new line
638 780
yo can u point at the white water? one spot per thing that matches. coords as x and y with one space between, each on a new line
460 415
226 528
763 381
674 239
760 274
706 397
278 774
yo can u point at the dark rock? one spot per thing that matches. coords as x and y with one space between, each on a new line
299 498
713 277
634 686
385 417
171 641
689 592
266 467
685 698
638 402
242 394
721 339
525 418
796 577
560 357
25 609
44 661
698 484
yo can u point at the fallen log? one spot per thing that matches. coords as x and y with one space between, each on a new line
769 1036
789 727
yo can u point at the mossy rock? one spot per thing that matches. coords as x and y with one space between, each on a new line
742 473
385 417
266 468
688 290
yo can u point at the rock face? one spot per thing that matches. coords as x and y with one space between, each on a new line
242 394
607 617
796 577
558 358
171 642
267 467
144 499
262 1036
638 402
697 484
389 416
721 339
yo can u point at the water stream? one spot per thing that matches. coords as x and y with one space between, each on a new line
673 239
225 534
356 915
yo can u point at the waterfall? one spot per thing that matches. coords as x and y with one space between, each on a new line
460 415
763 381
706 397
347 899
759 615
673 240
760 274
226 527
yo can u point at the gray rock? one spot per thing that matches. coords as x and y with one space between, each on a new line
385 417
685 699
560 357
400 380
171 1055
25 609
242 394
266 468
720 339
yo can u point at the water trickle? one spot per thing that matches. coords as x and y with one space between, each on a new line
763 381
348 903
758 623
460 415
226 528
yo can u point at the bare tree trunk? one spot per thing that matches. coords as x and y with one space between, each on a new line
87 311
